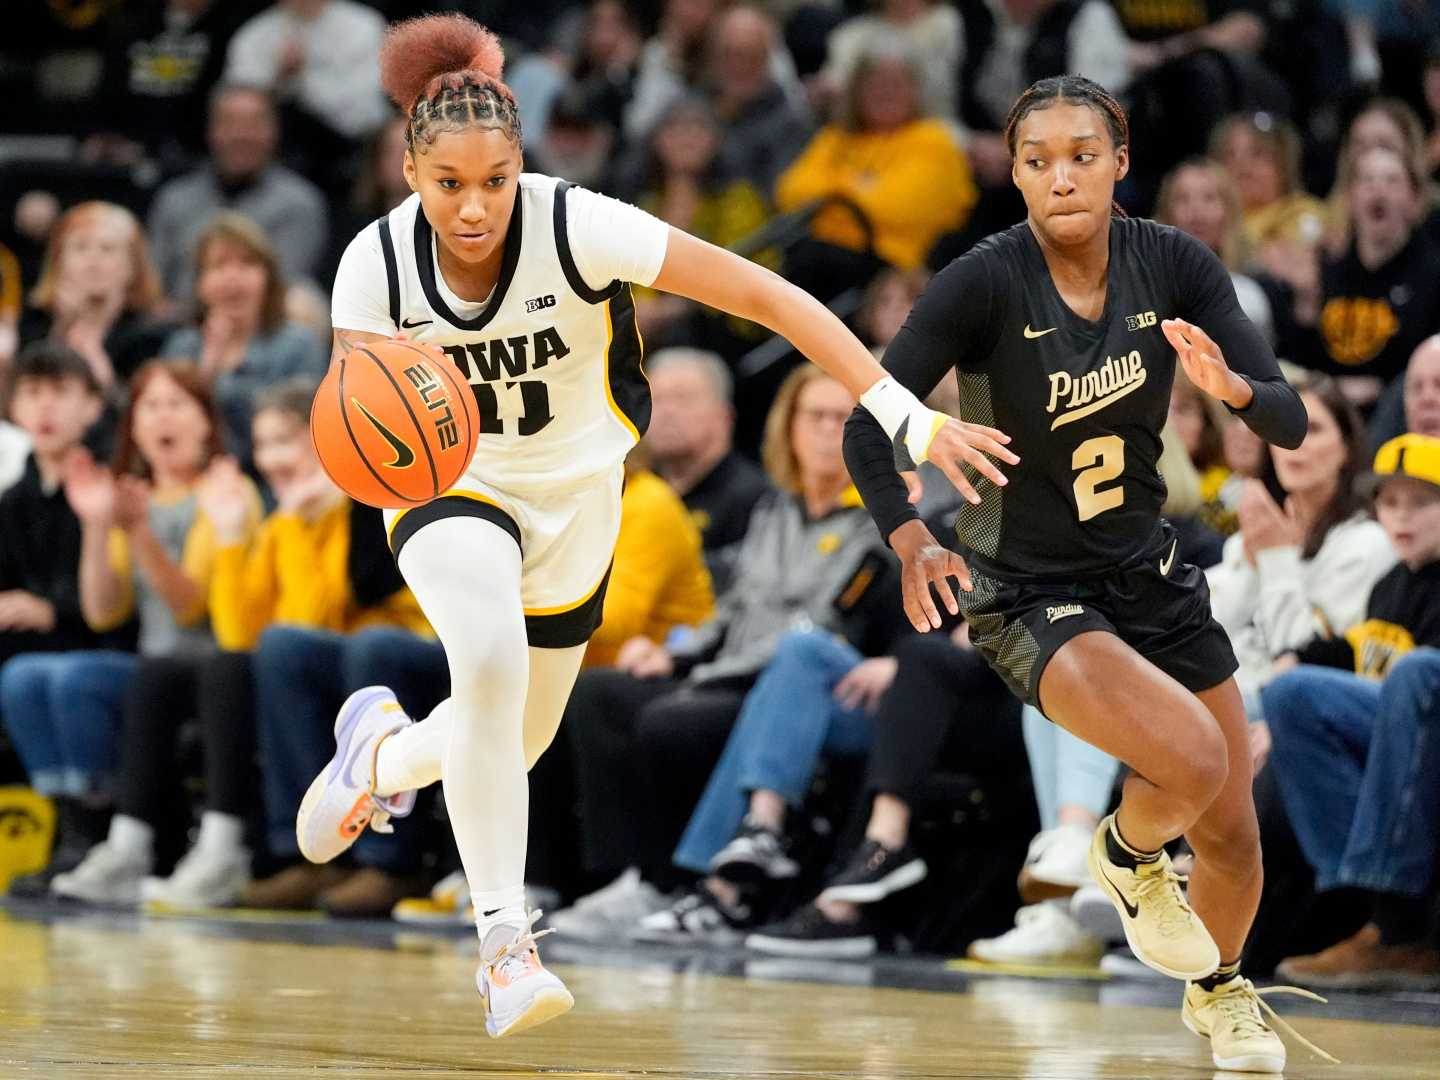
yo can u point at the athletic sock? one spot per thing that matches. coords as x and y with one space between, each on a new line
132 837
221 832
503 907
1122 854
1221 975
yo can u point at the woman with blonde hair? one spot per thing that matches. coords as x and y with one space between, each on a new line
1198 197
240 335
99 292
1261 152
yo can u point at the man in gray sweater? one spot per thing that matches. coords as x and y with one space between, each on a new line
241 175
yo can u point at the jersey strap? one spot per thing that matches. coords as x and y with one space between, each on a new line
392 269
567 259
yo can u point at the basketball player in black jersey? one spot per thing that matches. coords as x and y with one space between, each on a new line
1063 332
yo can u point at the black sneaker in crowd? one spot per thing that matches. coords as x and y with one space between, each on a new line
697 918
875 872
756 854
808 933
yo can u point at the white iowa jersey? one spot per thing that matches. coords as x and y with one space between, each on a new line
555 363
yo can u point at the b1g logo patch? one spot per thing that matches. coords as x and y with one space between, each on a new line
1141 321
540 303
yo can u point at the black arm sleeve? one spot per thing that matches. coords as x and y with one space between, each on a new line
1205 296
946 329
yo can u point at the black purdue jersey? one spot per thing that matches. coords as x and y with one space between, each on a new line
1082 401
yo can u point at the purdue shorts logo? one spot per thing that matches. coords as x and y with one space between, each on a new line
1062 611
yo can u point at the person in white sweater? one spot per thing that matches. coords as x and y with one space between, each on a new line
1301 567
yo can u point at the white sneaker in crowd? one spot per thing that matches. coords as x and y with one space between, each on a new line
208 876
609 913
1044 933
1092 908
1056 864
107 875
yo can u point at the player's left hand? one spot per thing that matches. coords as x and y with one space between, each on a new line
1205 364
924 562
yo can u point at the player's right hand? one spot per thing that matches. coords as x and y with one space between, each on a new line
924 561
956 443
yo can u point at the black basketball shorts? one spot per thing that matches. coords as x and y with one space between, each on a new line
1157 605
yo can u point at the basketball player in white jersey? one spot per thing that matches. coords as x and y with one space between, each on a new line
524 281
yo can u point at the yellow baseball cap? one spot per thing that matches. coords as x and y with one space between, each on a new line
1416 456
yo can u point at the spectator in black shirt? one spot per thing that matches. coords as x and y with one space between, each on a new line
689 435
1371 307
54 397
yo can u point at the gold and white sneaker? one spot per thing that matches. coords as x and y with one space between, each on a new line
517 991
1232 1017
1162 930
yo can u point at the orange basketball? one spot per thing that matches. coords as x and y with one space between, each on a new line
394 424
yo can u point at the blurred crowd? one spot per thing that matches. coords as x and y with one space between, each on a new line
760 750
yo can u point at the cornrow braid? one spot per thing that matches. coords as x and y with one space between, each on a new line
460 101
1070 90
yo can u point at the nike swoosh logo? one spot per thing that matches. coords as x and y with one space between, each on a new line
1130 908
406 324
1169 561
404 456
1033 334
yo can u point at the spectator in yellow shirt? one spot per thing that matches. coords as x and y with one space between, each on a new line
319 600
659 580
904 172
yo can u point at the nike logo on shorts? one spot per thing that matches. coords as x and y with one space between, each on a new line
1169 560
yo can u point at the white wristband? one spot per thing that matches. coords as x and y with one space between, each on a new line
890 403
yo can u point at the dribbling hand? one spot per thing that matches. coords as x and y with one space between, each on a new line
925 562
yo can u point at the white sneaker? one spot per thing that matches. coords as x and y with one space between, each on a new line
205 877
609 913
517 990
341 801
107 875
1055 864
1092 908
695 919
1044 934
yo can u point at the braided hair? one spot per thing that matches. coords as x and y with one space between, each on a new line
1070 90
443 71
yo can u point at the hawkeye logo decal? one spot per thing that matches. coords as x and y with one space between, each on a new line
1079 396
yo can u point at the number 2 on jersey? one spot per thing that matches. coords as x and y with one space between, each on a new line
1099 460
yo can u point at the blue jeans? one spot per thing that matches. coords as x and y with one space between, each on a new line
63 712
788 720
1067 771
1358 766
302 676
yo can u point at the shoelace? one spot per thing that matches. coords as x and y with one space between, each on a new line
1243 1007
514 953
1173 914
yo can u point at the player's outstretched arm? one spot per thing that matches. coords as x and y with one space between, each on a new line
720 279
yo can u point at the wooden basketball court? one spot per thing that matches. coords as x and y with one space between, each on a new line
97 995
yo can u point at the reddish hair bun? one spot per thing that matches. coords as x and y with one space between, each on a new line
418 51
